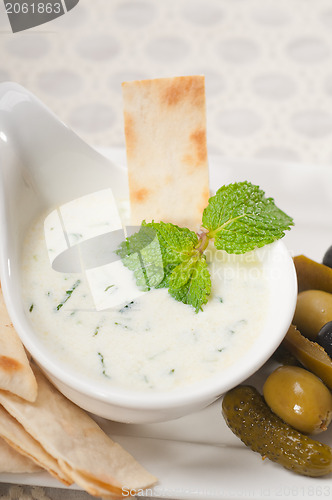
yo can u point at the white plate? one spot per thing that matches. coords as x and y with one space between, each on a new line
198 456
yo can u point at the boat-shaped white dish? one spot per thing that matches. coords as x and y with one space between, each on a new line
44 165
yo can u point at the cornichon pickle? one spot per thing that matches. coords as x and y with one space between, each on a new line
249 417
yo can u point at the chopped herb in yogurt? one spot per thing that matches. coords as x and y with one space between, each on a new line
68 294
102 361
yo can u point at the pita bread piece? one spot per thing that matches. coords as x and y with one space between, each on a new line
91 486
14 462
17 437
72 437
16 375
165 131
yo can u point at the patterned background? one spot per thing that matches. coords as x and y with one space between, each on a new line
268 68
267 65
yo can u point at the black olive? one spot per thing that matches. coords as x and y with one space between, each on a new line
324 337
327 259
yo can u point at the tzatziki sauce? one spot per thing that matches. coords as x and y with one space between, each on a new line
150 343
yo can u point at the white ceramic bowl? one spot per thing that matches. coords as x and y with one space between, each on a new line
44 164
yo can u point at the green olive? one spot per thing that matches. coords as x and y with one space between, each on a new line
313 310
310 354
312 275
299 398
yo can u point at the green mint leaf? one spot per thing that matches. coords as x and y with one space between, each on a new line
190 282
176 242
240 218
141 253
155 250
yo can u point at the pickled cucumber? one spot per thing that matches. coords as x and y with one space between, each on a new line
249 417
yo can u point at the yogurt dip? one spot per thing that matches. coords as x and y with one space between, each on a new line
153 342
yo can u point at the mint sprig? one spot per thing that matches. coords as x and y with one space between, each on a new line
190 281
163 255
239 218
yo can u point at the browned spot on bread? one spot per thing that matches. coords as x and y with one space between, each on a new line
198 150
140 195
199 140
184 88
9 364
130 135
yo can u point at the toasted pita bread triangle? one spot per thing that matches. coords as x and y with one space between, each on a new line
14 462
165 131
72 437
17 437
16 375
91 486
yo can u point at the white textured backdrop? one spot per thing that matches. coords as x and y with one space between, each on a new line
268 68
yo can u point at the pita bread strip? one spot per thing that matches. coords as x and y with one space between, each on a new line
165 132
67 433
14 462
16 375
89 485
18 438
